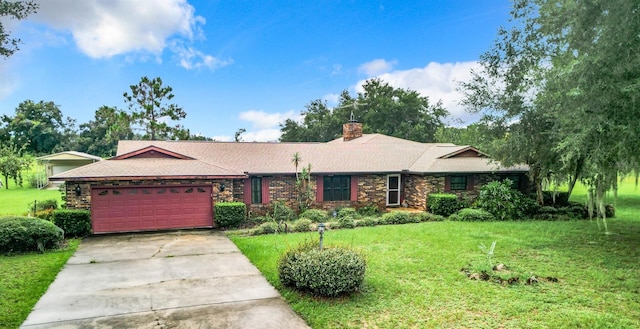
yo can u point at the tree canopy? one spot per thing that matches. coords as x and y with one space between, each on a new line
147 102
380 107
101 135
559 90
13 10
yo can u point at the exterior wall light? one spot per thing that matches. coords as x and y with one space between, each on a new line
321 232
222 187
78 190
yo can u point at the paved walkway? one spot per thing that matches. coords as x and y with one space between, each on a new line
192 279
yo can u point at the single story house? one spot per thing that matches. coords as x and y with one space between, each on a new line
154 185
57 163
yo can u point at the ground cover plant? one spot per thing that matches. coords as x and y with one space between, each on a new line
414 280
24 278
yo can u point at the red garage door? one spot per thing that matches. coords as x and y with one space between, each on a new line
126 209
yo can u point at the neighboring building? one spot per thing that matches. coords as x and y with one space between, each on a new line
152 185
60 162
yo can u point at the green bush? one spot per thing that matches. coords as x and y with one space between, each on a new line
561 198
315 215
474 215
330 272
429 217
370 209
368 221
74 223
348 212
399 217
609 211
443 204
20 234
230 214
266 228
301 225
45 214
501 201
281 212
346 221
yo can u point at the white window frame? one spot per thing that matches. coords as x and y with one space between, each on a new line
394 190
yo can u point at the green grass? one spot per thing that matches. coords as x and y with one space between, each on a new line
25 278
413 278
16 200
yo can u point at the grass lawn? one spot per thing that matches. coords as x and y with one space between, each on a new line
413 277
25 278
16 200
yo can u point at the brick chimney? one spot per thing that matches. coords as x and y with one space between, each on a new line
351 130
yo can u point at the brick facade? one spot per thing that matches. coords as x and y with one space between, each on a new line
371 189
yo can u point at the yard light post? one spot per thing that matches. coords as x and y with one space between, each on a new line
321 232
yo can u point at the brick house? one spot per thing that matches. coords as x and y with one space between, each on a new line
153 185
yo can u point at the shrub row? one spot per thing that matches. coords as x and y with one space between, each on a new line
74 223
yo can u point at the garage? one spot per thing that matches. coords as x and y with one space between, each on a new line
150 208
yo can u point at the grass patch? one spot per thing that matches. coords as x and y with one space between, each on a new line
15 200
414 279
25 278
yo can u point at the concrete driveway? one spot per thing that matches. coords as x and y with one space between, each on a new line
188 279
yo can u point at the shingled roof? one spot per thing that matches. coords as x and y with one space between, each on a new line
371 153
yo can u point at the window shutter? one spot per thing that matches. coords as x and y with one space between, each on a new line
246 191
265 190
354 188
447 183
471 180
319 188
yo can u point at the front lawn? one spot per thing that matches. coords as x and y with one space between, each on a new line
414 279
16 200
25 278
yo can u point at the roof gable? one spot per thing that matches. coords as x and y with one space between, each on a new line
465 152
153 152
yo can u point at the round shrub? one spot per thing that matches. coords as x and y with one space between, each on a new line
501 201
348 212
474 215
266 228
347 222
371 209
19 234
330 272
443 204
315 215
429 217
301 225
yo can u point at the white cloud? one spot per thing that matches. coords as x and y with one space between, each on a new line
438 81
190 58
103 29
376 67
265 126
223 138
264 120
265 135
332 99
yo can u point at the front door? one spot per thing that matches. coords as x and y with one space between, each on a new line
393 190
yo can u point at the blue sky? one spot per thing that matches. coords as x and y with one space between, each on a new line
243 64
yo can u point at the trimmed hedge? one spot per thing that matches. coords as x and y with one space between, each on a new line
443 204
315 215
230 214
472 215
74 223
330 272
301 225
399 217
20 234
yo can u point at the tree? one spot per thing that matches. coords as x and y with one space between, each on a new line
380 107
101 135
565 78
12 163
39 128
14 10
238 134
149 110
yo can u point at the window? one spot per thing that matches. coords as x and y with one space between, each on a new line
458 183
336 188
256 190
